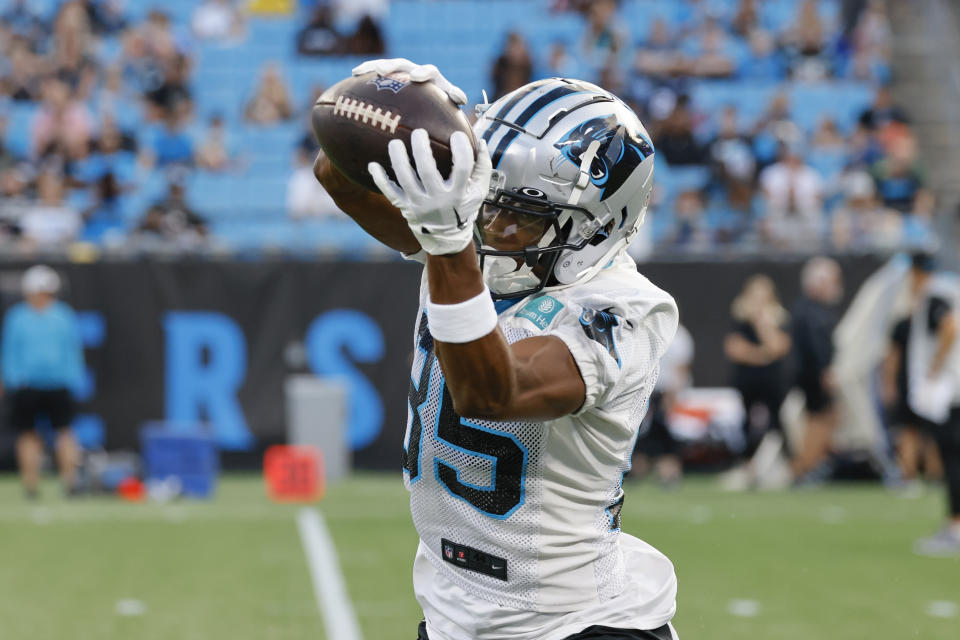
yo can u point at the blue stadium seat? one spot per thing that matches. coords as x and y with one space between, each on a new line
828 163
841 101
19 120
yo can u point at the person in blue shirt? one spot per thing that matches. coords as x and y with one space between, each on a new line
42 367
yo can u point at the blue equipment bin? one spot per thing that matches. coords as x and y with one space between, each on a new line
189 456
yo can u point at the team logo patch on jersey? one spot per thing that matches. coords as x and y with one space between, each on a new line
598 325
391 82
541 311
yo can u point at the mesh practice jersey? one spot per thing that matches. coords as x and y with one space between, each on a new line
525 515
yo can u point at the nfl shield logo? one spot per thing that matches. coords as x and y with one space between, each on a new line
393 82
448 551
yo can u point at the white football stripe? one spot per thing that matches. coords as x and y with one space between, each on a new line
339 618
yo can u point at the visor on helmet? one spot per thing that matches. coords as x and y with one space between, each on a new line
523 232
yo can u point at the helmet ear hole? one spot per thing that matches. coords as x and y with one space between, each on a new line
602 234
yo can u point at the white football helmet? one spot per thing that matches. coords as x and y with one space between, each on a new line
573 170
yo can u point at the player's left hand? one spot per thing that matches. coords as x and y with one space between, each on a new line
417 73
440 213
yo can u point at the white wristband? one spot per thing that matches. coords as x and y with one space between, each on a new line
464 321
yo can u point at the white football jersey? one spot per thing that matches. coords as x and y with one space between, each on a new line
519 520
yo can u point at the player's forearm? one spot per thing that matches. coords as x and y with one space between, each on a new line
480 374
371 211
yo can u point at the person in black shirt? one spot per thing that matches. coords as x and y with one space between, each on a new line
932 360
757 345
913 436
815 315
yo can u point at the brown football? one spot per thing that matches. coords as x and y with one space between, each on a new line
356 118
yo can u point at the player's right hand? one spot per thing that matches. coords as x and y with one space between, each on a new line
417 73
439 212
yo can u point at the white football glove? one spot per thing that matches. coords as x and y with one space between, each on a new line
417 73
441 213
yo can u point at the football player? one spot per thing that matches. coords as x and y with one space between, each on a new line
537 347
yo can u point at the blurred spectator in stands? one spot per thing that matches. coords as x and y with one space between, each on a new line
173 221
212 153
49 222
13 201
657 57
61 121
173 91
160 40
171 144
774 128
805 41
901 180
42 369
711 59
611 79
112 139
73 50
72 56
732 161
606 38
746 18
367 40
860 222
757 346
871 46
873 33
764 62
674 136
218 20
106 16
827 137
139 68
306 198
815 315
7 157
793 200
104 215
560 64
24 20
271 99
514 66
319 37
656 447
113 97
689 228
22 74
882 112
866 66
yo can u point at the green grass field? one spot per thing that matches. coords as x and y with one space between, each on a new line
834 564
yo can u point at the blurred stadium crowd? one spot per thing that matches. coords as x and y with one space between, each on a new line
133 126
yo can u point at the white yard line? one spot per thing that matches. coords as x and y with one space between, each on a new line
339 618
